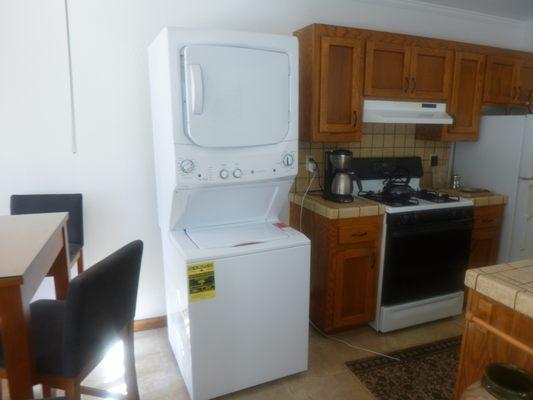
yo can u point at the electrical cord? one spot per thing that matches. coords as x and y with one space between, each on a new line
305 194
352 346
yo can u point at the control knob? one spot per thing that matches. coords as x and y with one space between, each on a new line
224 173
237 173
187 166
288 160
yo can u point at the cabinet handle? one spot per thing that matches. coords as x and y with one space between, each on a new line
519 92
355 119
413 82
406 85
487 220
514 93
359 234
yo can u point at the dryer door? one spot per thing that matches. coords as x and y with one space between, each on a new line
235 96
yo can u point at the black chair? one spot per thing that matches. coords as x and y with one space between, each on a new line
45 203
71 337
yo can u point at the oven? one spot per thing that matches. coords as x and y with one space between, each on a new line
426 254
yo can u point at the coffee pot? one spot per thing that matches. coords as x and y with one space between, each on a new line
338 176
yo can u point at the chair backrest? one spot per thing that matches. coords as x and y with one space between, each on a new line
46 203
100 303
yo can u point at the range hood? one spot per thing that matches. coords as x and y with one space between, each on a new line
405 112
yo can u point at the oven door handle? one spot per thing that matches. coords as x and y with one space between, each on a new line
412 230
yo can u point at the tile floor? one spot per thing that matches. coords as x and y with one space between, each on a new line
327 377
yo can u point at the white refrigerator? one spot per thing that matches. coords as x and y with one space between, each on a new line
502 161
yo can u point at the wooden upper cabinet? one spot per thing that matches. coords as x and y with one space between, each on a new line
394 70
341 103
355 286
467 90
431 73
501 80
525 83
387 69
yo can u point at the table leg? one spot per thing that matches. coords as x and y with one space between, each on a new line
16 341
60 270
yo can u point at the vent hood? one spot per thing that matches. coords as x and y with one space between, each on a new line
405 112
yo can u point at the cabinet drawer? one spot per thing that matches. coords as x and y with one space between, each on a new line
358 233
487 217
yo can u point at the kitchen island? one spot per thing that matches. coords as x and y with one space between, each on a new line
499 320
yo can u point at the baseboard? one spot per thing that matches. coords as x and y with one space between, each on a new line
149 323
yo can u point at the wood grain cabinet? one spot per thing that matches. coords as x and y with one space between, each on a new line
465 102
331 87
344 268
492 333
502 80
525 83
341 105
395 70
467 91
485 241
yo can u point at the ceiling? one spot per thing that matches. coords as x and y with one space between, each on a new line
520 10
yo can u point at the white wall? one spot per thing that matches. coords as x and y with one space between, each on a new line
528 36
114 165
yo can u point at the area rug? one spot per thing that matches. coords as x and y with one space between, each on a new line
425 372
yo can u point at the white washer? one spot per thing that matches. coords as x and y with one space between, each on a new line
225 116
255 329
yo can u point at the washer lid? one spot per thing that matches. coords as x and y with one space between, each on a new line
235 96
237 235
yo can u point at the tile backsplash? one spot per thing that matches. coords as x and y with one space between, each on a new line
380 140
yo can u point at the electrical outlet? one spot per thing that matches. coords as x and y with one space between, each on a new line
310 162
433 160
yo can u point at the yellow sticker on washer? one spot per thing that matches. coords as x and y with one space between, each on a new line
201 280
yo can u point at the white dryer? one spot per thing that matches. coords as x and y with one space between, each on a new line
225 116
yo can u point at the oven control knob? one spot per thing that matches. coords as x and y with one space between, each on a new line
288 160
224 173
237 173
187 166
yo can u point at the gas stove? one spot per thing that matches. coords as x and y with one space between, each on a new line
395 183
425 246
418 200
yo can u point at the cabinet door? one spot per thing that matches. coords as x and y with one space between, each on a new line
355 286
431 73
525 83
500 80
467 91
340 87
387 69
484 247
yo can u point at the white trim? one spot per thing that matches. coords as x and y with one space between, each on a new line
70 84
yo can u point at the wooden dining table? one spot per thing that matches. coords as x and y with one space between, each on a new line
32 246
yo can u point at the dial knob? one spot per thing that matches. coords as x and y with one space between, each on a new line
224 173
187 166
237 173
288 160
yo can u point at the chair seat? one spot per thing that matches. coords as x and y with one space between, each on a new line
47 317
73 250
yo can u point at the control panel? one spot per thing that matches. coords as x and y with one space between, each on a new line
196 168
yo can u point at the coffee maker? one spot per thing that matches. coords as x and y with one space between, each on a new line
339 176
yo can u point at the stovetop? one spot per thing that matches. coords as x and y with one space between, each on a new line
419 200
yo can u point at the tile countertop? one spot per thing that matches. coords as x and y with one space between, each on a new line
480 198
358 208
510 284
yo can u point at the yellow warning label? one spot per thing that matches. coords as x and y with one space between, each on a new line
201 280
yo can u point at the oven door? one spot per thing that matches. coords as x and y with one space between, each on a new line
425 260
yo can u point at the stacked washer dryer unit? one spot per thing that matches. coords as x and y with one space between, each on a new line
225 115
